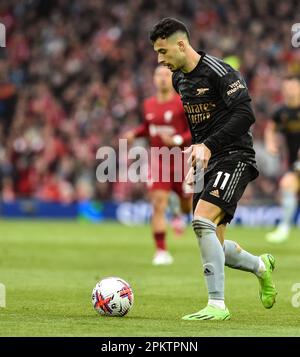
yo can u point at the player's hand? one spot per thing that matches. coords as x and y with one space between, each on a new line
129 136
272 148
271 139
199 153
190 177
167 139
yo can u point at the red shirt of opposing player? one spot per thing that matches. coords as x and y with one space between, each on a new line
165 121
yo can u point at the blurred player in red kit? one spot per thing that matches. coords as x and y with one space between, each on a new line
164 125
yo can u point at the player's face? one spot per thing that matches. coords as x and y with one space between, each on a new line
291 90
162 79
170 53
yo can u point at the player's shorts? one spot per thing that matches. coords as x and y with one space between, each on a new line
225 184
177 187
156 181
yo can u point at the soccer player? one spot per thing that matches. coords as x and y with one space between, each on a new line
217 104
286 120
165 125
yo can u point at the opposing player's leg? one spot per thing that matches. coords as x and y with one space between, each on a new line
262 267
289 187
186 204
179 220
159 200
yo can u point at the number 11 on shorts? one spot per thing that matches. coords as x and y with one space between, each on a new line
225 180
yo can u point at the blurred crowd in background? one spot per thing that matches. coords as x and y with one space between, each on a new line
74 74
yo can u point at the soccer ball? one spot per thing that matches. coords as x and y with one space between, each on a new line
112 297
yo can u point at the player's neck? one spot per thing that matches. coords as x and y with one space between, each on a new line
164 96
192 60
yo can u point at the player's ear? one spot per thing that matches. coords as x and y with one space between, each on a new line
181 45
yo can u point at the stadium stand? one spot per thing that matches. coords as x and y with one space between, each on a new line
74 74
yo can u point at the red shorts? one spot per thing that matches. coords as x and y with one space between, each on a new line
169 179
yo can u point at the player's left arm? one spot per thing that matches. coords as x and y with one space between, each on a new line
181 139
186 137
233 89
177 139
271 138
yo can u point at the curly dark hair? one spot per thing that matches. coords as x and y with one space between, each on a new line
167 27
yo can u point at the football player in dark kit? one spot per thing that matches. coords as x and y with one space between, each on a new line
218 110
286 120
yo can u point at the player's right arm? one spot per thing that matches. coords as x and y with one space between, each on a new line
271 138
140 131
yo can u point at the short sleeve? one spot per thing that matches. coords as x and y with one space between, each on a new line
276 119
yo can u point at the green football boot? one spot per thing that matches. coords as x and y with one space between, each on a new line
209 313
267 290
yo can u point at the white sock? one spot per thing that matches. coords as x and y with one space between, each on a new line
220 304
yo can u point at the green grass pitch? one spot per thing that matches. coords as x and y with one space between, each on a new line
50 268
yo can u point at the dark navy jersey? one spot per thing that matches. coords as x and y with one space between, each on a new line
217 105
287 121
